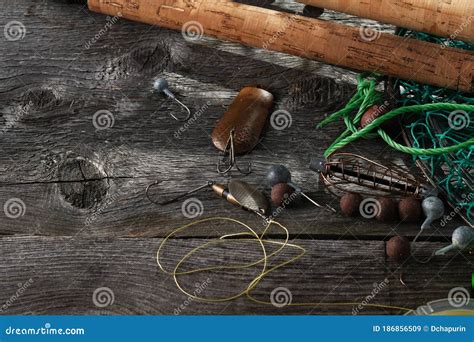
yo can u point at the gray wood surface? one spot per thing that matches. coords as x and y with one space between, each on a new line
86 222
65 272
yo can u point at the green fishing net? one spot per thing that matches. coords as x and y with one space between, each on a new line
438 124
452 172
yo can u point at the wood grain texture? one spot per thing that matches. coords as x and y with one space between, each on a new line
65 272
125 212
310 38
86 223
72 176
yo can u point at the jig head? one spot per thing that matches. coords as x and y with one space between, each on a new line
161 86
433 208
462 239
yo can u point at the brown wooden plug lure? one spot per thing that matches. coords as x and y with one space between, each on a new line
238 131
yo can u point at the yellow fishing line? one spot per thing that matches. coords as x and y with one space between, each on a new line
253 237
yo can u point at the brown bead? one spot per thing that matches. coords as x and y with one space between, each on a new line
350 203
388 210
409 210
390 126
398 248
371 114
280 193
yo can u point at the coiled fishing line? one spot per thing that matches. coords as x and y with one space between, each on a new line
250 236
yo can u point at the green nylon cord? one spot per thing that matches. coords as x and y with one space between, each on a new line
453 172
363 132
445 146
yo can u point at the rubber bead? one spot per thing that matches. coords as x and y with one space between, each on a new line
350 203
388 210
398 248
409 210
280 193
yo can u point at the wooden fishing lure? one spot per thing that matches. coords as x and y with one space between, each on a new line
238 131
247 116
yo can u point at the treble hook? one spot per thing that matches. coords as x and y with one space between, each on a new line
161 86
229 161
177 198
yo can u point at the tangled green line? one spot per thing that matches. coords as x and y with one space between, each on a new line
366 97
442 144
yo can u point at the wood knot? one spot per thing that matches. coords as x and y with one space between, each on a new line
146 59
82 183
41 98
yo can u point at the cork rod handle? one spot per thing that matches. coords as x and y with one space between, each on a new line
445 18
310 38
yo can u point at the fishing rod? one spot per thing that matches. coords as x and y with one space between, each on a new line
450 19
311 38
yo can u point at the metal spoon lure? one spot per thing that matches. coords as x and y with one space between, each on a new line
237 192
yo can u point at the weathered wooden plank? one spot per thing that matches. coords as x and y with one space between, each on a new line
443 274
74 177
82 185
65 272
122 210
